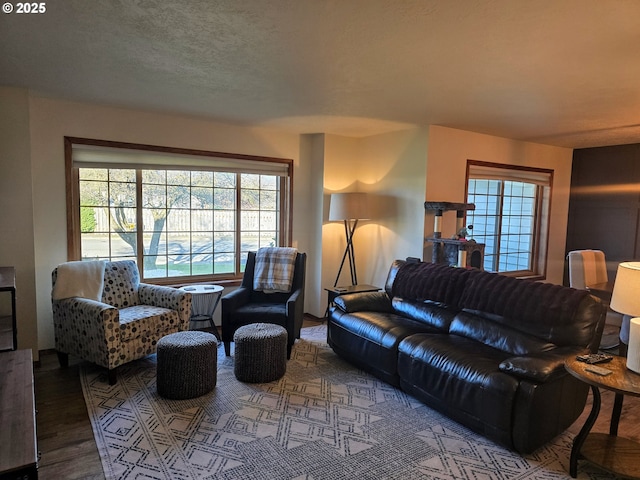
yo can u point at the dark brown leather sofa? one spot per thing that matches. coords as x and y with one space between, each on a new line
484 349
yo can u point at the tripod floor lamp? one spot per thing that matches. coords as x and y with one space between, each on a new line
349 207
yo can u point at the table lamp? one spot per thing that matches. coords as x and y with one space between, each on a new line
626 300
349 207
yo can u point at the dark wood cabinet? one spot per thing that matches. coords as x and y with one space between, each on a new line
604 203
8 327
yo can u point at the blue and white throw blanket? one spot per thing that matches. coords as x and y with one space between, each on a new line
274 269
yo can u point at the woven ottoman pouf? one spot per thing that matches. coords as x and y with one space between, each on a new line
187 364
260 352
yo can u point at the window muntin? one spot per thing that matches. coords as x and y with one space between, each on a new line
178 221
511 216
504 220
107 213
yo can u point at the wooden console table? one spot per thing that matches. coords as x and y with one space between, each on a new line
615 454
18 454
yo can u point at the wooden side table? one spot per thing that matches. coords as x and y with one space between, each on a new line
334 292
615 454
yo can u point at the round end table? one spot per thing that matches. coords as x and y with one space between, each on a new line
615 454
205 300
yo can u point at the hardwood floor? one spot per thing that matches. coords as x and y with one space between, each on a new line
65 437
68 449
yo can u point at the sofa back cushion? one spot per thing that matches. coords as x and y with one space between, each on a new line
434 314
553 313
485 329
426 281
121 281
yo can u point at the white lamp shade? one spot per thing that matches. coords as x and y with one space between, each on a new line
349 206
626 290
633 354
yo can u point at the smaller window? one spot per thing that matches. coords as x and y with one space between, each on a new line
511 216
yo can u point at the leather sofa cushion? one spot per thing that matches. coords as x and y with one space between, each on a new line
461 377
553 313
364 301
384 329
268 313
430 281
370 340
500 336
435 314
540 367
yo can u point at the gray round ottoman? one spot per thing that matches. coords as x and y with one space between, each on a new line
187 364
260 352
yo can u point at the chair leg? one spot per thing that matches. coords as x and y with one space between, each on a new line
112 376
289 346
63 359
227 349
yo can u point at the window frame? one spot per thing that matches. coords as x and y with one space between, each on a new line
542 208
72 184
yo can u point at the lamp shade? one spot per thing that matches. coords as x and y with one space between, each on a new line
626 290
349 206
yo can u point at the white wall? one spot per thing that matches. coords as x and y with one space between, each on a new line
16 211
312 154
448 152
392 169
399 169
395 165
341 158
51 120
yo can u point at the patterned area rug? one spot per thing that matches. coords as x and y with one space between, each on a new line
323 420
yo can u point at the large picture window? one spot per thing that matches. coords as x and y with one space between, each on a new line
511 216
179 213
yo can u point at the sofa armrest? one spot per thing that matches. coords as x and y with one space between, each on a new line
542 367
295 311
83 312
365 301
295 303
160 296
167 297
233 300
86 328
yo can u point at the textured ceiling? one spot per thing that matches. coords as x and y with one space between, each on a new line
561 72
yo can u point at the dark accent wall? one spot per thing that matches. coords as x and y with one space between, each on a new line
604 203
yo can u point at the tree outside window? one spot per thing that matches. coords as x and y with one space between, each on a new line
178 222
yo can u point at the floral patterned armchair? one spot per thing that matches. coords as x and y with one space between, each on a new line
124 326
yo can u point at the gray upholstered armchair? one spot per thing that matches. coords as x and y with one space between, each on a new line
246 305
124 326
